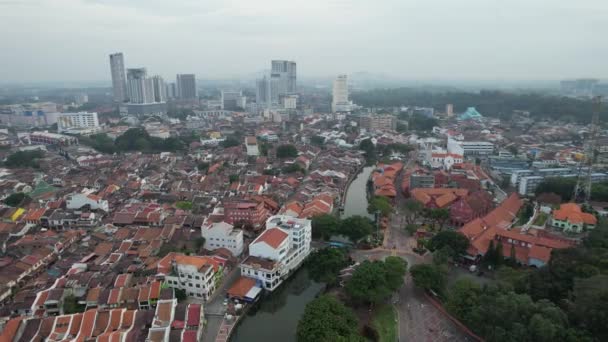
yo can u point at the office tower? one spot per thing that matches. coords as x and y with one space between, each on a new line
140 87
160 90
171 90
378 122
119 84
340 101
261 90
186 87
285 74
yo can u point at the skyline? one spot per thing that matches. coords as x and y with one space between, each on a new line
468 40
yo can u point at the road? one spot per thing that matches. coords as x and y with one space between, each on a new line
215 308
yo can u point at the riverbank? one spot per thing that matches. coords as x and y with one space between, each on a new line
275 316
356 199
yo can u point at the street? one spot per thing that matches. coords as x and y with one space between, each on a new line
215 308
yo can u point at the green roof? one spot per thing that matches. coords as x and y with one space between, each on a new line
42 188
470 114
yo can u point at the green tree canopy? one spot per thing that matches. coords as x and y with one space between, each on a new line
24 159
16 199
381 204
356 228
326 319
374 282
324 226
429 277
457 242
324 264
287 151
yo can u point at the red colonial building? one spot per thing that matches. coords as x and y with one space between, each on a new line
246 211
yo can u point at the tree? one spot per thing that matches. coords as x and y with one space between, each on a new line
420 122
355 228
438 216
184 205
24 159
411 228
199 243
457 242
325 264
317 140
412 209
230 142
233 178
180 294
324 226
463 297
381 204
327 319
287 151
203 166
375 281
590 307
293 168
71 306
369 148
429 277
564 187
16 199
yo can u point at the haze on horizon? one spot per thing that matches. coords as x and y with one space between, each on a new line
69 40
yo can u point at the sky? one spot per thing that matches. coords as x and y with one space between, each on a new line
70 40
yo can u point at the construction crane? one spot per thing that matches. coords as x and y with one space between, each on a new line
582 190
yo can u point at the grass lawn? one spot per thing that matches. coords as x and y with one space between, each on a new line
385 323
540 219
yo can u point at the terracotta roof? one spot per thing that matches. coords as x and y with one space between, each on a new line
572 213
272 237
164 265
194 315
241 287
10 329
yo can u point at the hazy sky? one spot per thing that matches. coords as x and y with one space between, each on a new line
48 40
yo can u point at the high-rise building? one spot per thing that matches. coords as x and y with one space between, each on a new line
171 90
119 84
285 73
160 90
186 87
340 102
140 87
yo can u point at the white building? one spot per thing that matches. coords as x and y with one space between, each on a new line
197 275
78 201
252 146
340 102
477 148
119 83
223 235
290 101
278 251
445 160
67 122
160 89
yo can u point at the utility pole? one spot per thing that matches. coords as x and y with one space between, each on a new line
584 181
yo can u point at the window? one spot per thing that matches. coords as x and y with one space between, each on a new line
198 286
197 277
189 276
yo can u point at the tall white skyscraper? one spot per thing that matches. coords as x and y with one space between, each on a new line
119 84
140 87
340 102
267 91
186 87
285 74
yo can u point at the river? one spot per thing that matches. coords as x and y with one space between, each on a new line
356 195
275 317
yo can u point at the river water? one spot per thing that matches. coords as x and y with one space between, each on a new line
356 195
275 317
